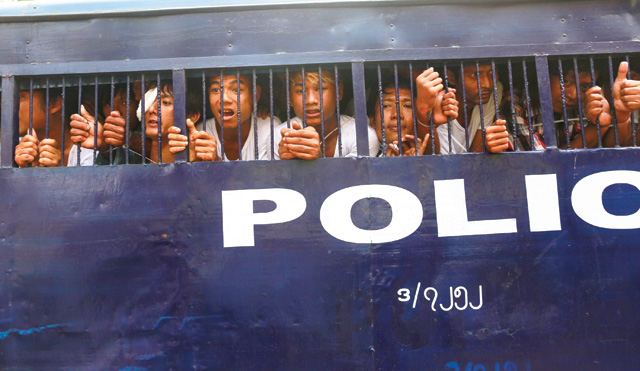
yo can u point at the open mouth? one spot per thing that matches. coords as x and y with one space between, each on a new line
228 114
152 122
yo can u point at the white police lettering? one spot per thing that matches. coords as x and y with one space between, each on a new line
543 205
406 214
451 213
238 218
586 199
542 202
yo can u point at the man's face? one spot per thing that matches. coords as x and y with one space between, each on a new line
312 96
471 83
391 114
570 92
120 105
229 94
151 116
39 111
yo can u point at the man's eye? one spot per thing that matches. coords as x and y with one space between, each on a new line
299 91
386 106
167 102
215 90
407 106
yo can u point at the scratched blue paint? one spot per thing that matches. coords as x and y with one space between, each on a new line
130 368
30 331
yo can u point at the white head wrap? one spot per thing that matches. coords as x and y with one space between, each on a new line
150 98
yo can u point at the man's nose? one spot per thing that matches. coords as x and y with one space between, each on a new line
486 82
312 96
228 96
153 108
571 93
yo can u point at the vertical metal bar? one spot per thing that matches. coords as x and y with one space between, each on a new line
593 83
633 121
398 122
446 90
30 132
239 115
204 102
159 108
63 120
413 109
10 119
304 100
79 109
335 74
95 120
127 119
179 108
579 102
222 112
513 106
360 104
614 119
143 119
464 105
111 109
271 109
381 109
495 89
288 83
484 140
46 122
564 103
528 101
255 115
544 92
321 109
431 128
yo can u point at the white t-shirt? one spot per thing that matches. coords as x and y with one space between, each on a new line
248 149
348 133
86 156
459 142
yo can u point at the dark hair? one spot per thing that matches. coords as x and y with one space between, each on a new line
194 99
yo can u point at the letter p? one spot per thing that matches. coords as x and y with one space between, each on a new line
238 218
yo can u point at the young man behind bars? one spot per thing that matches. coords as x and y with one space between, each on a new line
497 137
35 149
445 105
304 142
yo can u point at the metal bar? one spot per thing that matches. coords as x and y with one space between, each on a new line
614 119
381 109
528 107
238 115
593 83
304 100
142 118
360 104
484 140
95 120
63 120
271 110
111 109
564 102
335 74
431 130
10 119
633 121
495 90
513 106
79 109
321 109
159 108
179 109
255 115
222 112
398 122
446 90
322 57
204 102
579 103
46 122
127 119
288 83
544 91
464 106
413 109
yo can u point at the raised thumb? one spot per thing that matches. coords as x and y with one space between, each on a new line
622 71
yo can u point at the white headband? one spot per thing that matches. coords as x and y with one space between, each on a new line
150 96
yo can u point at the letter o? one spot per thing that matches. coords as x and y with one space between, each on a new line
406 214
586 199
